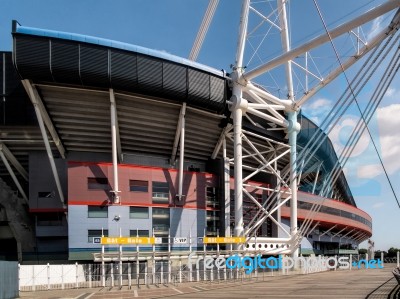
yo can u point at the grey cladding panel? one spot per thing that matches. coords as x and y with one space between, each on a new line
33 58
123 70
94 65
174 80
65 61
149 73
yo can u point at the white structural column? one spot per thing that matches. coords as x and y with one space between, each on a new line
239 105
227 190
292 132
113 109
38 105
181 154
11 172
293 127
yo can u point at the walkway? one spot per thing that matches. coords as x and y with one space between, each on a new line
364 283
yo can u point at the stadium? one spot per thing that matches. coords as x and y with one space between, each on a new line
102 138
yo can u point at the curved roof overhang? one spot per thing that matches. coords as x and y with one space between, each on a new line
74 73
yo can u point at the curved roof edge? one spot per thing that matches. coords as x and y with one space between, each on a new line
17 28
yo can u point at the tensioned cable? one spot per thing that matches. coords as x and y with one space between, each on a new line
354 97
358 131
357 104
320 133
369 111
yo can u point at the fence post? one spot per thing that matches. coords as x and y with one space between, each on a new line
180 270
398 262
103 274
62 277
90 275
162 271
48 276
382 258
129 276
112 274
33 278
76 272
351 261
19 277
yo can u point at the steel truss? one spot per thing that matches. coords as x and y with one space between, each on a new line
249 100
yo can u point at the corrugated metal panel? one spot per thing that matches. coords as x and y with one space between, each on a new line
149 74
81 63
94 65
65 62
32 56
123 70
174 80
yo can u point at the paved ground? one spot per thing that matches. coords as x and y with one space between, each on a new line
372 284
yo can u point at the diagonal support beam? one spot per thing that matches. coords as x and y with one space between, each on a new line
349 62
11 172
178 133
10 157
323 38
37 103
39 108
220 141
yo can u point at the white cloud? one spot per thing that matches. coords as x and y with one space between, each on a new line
317 109
340 134
389 124
375 28
378 205
369 171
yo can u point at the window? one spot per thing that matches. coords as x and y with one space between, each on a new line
96 233
140 233
139 212
138 186
97 211
160 221
98 183
211 197
160 192
212 223
49 219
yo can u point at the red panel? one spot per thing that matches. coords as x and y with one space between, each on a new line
194 184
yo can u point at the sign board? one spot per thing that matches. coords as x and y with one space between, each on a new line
223 240
96 240
127 240
180 240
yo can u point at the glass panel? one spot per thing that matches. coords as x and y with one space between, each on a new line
138 186
98 183
139 212
96 233
140 233
160 192
97 212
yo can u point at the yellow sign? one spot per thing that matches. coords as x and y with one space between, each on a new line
127 240
224 240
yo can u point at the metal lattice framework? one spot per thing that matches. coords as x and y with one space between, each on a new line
249 100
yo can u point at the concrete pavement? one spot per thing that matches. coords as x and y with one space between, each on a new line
363 283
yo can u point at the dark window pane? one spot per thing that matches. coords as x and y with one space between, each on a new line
138 186
160 192
98 183
139 212
97 211
140 233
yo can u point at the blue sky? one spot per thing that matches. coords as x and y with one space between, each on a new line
171 26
